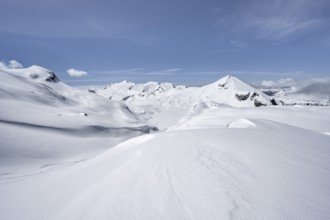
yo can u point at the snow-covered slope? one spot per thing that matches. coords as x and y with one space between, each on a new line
33 85
68 153
45 93
269 171
37 73
38 112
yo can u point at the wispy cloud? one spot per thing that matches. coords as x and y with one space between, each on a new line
276 21
265 74
137 71
96 26
173 70
111 72
222 51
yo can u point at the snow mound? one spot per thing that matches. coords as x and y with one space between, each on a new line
204 105
241 123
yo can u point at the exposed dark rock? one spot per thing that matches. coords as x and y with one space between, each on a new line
128 109
257 103
52 78
222 85
253 96
273 101
270 93
127 97
242 97
34 75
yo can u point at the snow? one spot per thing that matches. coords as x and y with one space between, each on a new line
241 123
229 89
225 91
44 121
67 153
290 96
179 175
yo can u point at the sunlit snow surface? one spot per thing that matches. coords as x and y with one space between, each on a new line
215 157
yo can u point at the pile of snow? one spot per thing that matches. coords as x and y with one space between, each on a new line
241 123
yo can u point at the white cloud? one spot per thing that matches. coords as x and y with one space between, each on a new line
306 86
13 64
282 83
3 65
76 73
315 86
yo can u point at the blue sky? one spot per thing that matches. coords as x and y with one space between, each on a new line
191 42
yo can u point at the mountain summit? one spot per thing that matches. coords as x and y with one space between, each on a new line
234 92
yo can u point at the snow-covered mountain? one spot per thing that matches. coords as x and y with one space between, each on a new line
228 90
163 104
290 96
35 105
125 90
288 91
158 151
232 91
34 84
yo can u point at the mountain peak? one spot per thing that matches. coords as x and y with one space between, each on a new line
38 72
232 91
227 77
35 72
